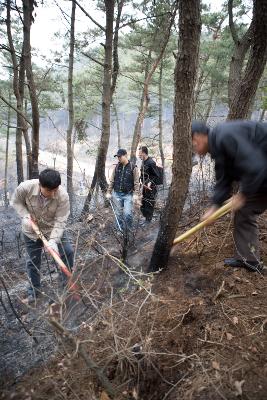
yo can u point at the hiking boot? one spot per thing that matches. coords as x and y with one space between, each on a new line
252 266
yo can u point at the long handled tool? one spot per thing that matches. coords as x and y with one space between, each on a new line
217 214
116 218
55 255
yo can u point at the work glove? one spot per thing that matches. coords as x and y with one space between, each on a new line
108 196
52 244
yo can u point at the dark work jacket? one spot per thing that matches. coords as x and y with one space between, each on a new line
124 179
239 149
149 171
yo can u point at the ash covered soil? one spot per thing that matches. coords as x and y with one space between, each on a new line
197 330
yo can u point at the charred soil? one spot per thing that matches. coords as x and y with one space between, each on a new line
197 330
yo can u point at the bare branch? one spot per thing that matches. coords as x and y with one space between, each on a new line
116 65
15 109
134 21
15 312
65 16
89 16
231 21
79 347
4 47
93 59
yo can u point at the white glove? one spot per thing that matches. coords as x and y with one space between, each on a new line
53 245
108 196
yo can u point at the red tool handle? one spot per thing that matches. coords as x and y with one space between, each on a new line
55 255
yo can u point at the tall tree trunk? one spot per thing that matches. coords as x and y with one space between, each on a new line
160 123
28 6
201 79
117 124
99 173
241 48
210 102
145 95
140 116
262 115
185 80
246 89
19 155
70 141
6 200
20 121
25 129
116 65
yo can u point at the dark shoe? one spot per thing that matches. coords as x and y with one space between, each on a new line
31 298
33 294
253 266
143 223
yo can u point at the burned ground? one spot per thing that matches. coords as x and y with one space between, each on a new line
194 331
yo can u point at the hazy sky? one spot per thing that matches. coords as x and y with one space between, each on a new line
49 20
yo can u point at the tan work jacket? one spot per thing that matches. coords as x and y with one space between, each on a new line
51 216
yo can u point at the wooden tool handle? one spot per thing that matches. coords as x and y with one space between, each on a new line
54 254
217 214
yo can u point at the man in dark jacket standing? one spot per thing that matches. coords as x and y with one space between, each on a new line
239 149
148 176
124 182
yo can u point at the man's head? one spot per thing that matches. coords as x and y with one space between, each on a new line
49 180
122 156
143 153
200 137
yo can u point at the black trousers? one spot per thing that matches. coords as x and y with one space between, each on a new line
148 202
246 231
34 252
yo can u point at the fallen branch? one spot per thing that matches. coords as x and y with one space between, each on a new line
219 292
79 348
15 312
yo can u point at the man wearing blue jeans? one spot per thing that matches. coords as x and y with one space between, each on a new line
124 182
45 202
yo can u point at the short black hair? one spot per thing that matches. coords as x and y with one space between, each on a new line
144 149
199 127
49 178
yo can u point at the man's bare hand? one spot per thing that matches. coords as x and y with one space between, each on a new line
238 201
209 213
148 186
137 200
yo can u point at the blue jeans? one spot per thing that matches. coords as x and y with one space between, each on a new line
33 263
124 209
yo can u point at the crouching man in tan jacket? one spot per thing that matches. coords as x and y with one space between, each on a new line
46 202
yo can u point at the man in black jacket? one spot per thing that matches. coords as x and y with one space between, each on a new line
124 182
148 175
239 149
